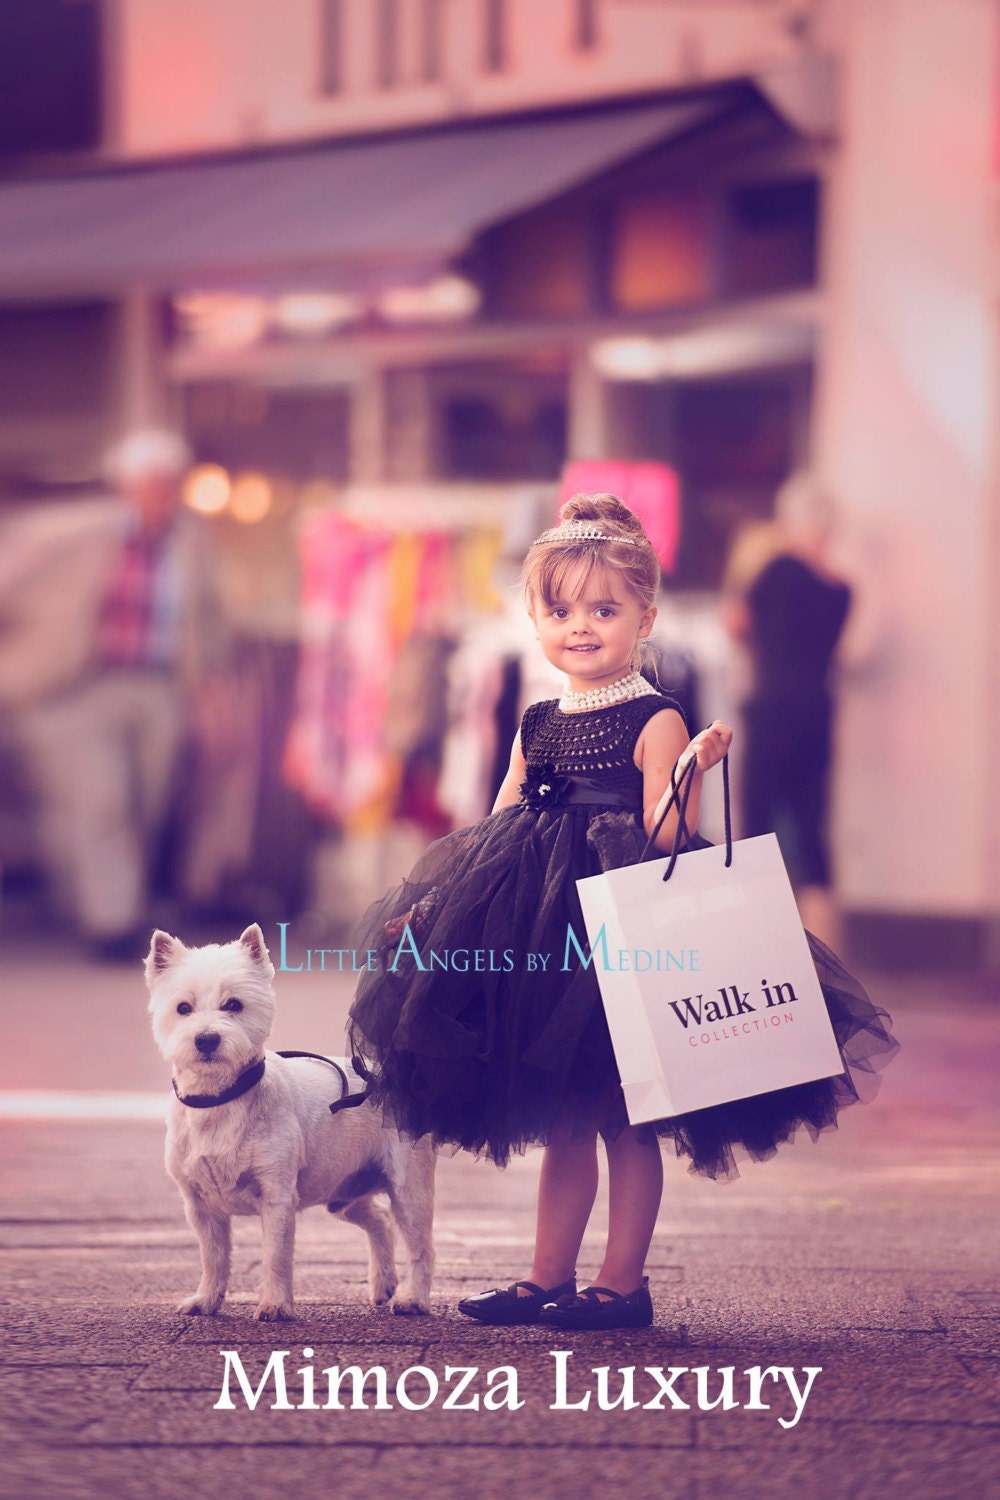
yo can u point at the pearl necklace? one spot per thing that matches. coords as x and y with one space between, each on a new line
633 685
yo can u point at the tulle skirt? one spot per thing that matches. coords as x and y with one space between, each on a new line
480 1027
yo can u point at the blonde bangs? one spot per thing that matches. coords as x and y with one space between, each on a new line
547 573
546 577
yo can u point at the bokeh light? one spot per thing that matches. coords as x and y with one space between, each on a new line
306 314
440 300
251 498
206 489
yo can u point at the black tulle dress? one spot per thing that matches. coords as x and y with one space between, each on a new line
463 1043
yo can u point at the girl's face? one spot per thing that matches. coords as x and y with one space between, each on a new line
590 631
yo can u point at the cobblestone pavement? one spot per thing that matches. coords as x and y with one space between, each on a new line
872 1256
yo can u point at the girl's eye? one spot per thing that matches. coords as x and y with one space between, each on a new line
605 613
559 614
232 1004
184 1009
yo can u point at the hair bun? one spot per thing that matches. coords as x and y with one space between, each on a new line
607 509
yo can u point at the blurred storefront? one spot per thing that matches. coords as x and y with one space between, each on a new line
749 254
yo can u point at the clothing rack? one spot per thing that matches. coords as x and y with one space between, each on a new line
517 511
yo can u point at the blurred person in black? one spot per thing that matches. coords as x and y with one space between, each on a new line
785 604
111 634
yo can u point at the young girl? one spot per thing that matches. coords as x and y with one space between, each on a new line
482 1028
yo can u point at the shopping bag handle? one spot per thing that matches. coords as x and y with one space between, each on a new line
683 832
680 792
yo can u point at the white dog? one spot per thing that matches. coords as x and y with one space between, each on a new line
251 1132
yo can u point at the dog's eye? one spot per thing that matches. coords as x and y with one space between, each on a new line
185 1008
232 1003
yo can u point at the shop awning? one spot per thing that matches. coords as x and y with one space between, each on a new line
352 215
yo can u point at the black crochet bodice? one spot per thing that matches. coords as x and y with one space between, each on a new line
599 744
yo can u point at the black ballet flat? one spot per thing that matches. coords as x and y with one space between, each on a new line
600 1307
504 1308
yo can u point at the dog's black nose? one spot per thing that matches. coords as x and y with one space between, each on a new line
207 1042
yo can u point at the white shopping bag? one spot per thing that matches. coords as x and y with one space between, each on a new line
707 980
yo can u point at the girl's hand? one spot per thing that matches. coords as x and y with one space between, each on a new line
708 747
395 928
418 914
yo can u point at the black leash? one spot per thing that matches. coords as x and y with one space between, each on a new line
347 1100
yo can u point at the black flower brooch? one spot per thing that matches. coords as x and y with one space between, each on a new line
544 787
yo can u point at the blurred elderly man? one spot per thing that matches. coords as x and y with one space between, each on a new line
110 630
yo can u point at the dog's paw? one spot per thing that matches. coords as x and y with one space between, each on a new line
409 1307
379 1296
273 1312
197 1306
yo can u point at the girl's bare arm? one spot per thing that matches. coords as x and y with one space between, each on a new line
509 792
664 745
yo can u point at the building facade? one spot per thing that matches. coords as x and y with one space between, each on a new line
736 238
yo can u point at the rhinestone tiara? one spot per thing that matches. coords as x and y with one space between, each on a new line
582 531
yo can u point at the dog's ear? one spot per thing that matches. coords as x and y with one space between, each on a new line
252 941
164 950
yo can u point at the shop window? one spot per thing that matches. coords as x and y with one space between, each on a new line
585 25
432 37
659 252
494 36
521 436
52 76
540 264
735 440
731 439
387 43
331 46
56 361
771 236
301 435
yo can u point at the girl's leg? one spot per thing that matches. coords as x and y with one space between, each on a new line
635 1185
566 1196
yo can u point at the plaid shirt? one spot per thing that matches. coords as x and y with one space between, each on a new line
139 614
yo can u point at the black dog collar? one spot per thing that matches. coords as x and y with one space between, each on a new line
247 1080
